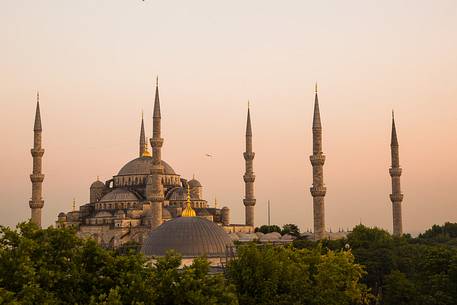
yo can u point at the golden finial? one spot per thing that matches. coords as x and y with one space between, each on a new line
215 202
142 114
38 96
157 81
146 152
98 178
315 88
193 176
249 104
188 211
74 204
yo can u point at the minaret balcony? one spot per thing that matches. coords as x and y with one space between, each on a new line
396 197
37 152
249 202
249 178
156 142
248 156
317 159
36 178
318 191
395 171
36 204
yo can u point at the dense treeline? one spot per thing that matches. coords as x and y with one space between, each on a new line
404 270
54 266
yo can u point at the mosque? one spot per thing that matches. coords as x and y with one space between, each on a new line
147 202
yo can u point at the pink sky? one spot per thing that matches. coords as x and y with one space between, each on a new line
94 63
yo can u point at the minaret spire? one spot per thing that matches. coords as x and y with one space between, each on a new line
249 177
142 137
395 172
318 190
37 202
154 187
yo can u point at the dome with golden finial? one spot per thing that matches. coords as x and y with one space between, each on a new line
188 211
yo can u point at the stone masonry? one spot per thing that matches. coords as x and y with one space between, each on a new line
156 193
37 202
395 172
249 177
317 159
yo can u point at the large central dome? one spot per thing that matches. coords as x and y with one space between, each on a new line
143 166
189 236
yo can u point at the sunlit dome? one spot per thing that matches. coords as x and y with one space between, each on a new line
143 166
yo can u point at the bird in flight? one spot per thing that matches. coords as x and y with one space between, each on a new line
209 155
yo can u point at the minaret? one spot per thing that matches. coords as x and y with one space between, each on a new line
395 172
155 193
142 137
37 202
317 159
249 177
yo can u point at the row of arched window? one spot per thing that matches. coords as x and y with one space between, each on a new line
137 180
114 205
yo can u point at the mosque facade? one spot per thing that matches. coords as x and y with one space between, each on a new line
145 193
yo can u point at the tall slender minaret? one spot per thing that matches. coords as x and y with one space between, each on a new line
154 187
249 177
317 159
395 172
142 137
37 202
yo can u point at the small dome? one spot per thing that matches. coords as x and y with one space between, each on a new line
119 194
61 214
225 209
143 166
194 183
189 236
97 184
270 236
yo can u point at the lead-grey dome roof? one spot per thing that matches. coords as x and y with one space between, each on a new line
143 166
97 184
119 194
194 183
189 236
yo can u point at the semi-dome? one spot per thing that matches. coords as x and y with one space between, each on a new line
189 236
143 166
177 193
119 194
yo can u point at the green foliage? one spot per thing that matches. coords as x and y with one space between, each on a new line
284 275
191 284
404 270
268 229
290 229
54 266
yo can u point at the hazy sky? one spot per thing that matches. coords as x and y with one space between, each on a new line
94 63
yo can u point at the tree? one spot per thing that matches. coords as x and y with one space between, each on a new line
290 229
268 229
284 275
398 290
190 285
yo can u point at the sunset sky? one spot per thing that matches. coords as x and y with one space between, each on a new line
94 63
